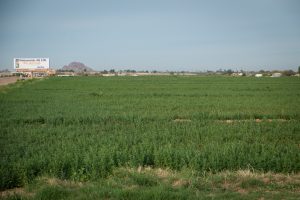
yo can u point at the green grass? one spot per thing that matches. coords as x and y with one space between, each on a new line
148 183
83 128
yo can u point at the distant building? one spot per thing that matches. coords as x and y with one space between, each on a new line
108 74
258 75
276 75
63 74
5 73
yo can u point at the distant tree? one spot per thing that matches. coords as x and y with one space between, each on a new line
4 71
112 71
288 73
299 69
62 70
130 71
228 71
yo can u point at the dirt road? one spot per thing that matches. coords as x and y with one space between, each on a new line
8 80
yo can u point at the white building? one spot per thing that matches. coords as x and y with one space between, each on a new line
276 75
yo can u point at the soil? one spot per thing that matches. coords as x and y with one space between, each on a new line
8 80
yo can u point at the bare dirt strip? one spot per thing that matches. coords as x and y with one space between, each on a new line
8 80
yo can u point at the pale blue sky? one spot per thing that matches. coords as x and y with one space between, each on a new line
155 34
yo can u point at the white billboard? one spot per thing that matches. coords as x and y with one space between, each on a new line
31 63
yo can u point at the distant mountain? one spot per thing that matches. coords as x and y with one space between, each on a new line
77 67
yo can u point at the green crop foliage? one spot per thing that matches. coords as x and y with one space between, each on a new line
81 128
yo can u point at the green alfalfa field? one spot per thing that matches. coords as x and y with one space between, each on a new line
156 137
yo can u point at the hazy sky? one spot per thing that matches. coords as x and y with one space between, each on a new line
153 34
